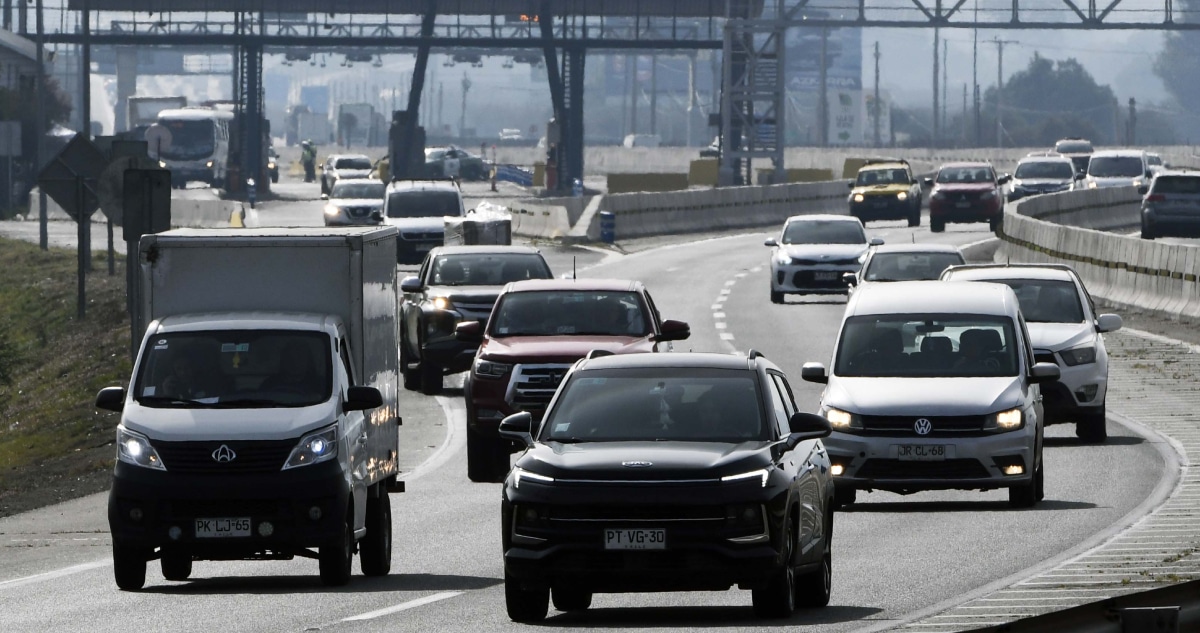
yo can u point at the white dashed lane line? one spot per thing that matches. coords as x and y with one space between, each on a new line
403 606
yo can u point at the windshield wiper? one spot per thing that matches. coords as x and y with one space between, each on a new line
246 403
568 440
169 401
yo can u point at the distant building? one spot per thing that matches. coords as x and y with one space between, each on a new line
18 58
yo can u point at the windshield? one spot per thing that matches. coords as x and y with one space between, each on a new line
190 140
487 269
569 312
966 175
926 346
823 232
235 369
1116 166
882 177
423 204
680 404
1047 300
359 190
1177 184
909 266
1050 169
359 162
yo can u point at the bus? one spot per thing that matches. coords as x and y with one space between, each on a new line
194 146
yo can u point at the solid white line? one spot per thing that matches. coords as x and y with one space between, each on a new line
452 442
403 606
58 573
726 336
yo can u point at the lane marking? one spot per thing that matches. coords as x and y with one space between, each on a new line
51 575
726 336
718 315
720 325
403 606
454 440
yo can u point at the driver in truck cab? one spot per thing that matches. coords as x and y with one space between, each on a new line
295 372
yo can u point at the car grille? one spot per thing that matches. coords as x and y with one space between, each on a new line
852 261
532 386
359 212
896 469
423 236
636 513
249 457
683 561
903 425
226 508
807 279
970 196
475 309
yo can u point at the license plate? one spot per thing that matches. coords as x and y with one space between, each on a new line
924 452
962 204
223 527
635 539
830 275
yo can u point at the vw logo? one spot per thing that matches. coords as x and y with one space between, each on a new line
224 454
923 426
637 464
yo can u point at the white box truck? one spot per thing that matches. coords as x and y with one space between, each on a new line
261 418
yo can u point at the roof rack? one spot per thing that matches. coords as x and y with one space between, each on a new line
883 159
598 353
753 354
1010 265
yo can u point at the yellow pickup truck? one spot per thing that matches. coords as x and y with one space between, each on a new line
885 189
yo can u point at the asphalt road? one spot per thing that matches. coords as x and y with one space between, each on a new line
894 556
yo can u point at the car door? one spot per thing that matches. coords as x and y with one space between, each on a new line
411 310
451 163
356 430
799 464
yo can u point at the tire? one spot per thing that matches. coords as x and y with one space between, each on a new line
1092 428
776 297
1026 495
431 378
175 565
524 604
129 566
936 226
375 549
1040 491
275 178
844 496
336 557
487 458
1148 234
995 224
567 599
777 599
914 218
412 377
814 589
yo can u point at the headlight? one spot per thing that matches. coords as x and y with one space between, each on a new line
209 164
162 163
841 420
1092 184
1010 420
937 195
1137 182
491 369
761 475
903 195
314 448
443 303
134 448
858 197
783 258
1079 355
332 210
521 473
271 165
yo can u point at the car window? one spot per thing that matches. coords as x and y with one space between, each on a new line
882 177
1046 169
488 269
358 190
909 266
1180 185
422 204
1047 300
1116 166
682 404
569 312
353 163
823 232
926 345
1073 147
949 175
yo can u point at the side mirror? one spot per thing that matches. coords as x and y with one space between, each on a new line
518 427
1044 372
814 372
674 331
928 182
111 399
410 284
1143 190
770 241
1108 323
850 279
324 196
1149 173
809 425
1003 179
850 185
876 241
362 398
469 331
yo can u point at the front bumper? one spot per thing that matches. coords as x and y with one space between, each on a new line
810 279
881 208
1174 224
144 505
874 462
981 210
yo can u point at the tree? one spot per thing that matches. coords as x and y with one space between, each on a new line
1176 66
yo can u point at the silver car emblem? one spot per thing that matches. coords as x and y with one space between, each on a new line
923 426
637 464
224 454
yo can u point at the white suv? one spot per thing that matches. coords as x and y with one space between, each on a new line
1065 330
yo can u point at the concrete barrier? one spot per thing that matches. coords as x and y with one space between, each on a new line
636 182
184 213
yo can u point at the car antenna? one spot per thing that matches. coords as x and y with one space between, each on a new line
574 275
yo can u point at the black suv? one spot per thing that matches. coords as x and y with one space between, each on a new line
668 472
455 284
1079 150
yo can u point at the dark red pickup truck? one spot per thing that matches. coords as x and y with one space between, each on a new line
537 330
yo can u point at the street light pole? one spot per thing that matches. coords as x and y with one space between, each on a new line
1000 88
462 121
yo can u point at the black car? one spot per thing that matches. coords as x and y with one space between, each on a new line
455 284
668 472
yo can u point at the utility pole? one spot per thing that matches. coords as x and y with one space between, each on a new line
875 104
975 76
654 93
462 119
823 105
1000 87
945 87
936 91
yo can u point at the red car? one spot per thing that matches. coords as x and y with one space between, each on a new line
965 192
536 331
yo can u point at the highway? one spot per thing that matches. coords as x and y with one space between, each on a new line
894 557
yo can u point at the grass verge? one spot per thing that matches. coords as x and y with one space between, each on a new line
54 444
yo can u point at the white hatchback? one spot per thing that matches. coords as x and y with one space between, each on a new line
812 253
1065 330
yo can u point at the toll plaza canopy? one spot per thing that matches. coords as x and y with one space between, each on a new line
507 8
